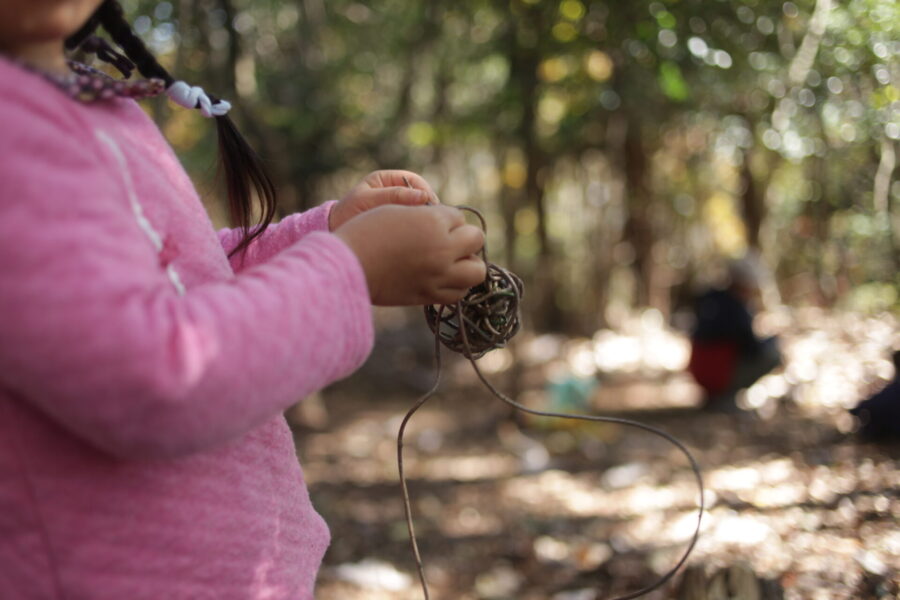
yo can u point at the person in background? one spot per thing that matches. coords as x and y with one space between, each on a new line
879 415
726 354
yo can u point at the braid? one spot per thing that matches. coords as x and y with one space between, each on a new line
87 30
240 166
112 18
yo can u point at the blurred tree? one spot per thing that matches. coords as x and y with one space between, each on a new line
619 149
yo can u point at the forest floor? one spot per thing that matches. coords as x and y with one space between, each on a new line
508 508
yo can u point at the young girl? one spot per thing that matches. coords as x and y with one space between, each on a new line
144 359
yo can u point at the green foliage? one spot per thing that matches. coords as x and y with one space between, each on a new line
631 142
671 81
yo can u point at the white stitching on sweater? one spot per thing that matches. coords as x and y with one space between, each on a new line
136 207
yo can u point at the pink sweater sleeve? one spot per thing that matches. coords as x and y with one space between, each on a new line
276 237
95 335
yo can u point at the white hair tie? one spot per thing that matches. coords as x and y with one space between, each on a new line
189 96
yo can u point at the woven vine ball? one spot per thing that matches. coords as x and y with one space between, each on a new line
489 312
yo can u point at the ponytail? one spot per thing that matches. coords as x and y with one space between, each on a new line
240 166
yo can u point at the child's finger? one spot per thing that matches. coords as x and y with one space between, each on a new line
417 181
465 274
408 196
467 239
453 217
401 178
394 195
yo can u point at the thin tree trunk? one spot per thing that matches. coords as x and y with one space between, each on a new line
820 211
881 196
525 59
233 49
752 206
638 227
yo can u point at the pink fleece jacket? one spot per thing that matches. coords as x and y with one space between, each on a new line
143 454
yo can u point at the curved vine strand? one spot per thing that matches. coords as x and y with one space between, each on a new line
490 311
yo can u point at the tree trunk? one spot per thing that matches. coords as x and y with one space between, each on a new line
881 197
639 226
820 211
752 205
525 59
228 68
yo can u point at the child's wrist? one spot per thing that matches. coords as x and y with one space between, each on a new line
329 214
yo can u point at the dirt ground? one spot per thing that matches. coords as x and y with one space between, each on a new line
512 508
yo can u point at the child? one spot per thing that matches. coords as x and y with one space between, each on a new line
144 360
726 355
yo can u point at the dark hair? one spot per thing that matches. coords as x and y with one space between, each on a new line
240 166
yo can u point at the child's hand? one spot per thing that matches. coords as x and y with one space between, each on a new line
380 188
416 255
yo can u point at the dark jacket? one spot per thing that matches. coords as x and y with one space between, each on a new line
722 316
880 414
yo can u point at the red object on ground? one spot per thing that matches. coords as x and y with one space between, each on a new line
712 364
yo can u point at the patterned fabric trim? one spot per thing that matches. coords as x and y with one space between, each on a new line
87 84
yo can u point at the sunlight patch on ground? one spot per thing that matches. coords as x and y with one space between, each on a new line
558 491
464 468
831 362
802 504
373 574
